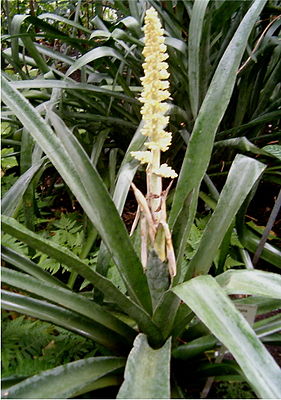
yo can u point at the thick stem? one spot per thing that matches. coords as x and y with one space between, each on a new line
155 189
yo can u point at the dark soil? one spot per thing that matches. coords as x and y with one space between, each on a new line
262 205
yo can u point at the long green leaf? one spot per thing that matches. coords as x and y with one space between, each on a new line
269 87
255 282
261 120
273 339
39 83
209 302
211 112
171 24
177 44
132 24
131 270
243 174
92 55
7 53
34 53
55 33
124 179
127 170
195 347
268 326
103 118
66 21
264 304
242 144
181 231
56 55
165 313
66 380
13 197
28 266
194 34
63 255
147 372
67 319
30 154
15 30
251 241
106 381
68 299
92 194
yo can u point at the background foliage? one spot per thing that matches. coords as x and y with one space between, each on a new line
71 116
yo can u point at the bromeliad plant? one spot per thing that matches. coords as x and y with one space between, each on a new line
147 321
155 84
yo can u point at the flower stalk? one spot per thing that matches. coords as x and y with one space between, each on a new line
155 92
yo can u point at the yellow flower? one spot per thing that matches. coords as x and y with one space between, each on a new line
145 157
161 142
154 228
155 92
165 171
155 85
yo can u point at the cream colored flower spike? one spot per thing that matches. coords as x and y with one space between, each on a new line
155 231
155 92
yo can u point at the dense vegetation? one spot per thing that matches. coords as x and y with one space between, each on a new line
82 317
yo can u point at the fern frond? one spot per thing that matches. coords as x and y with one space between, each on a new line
30 346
